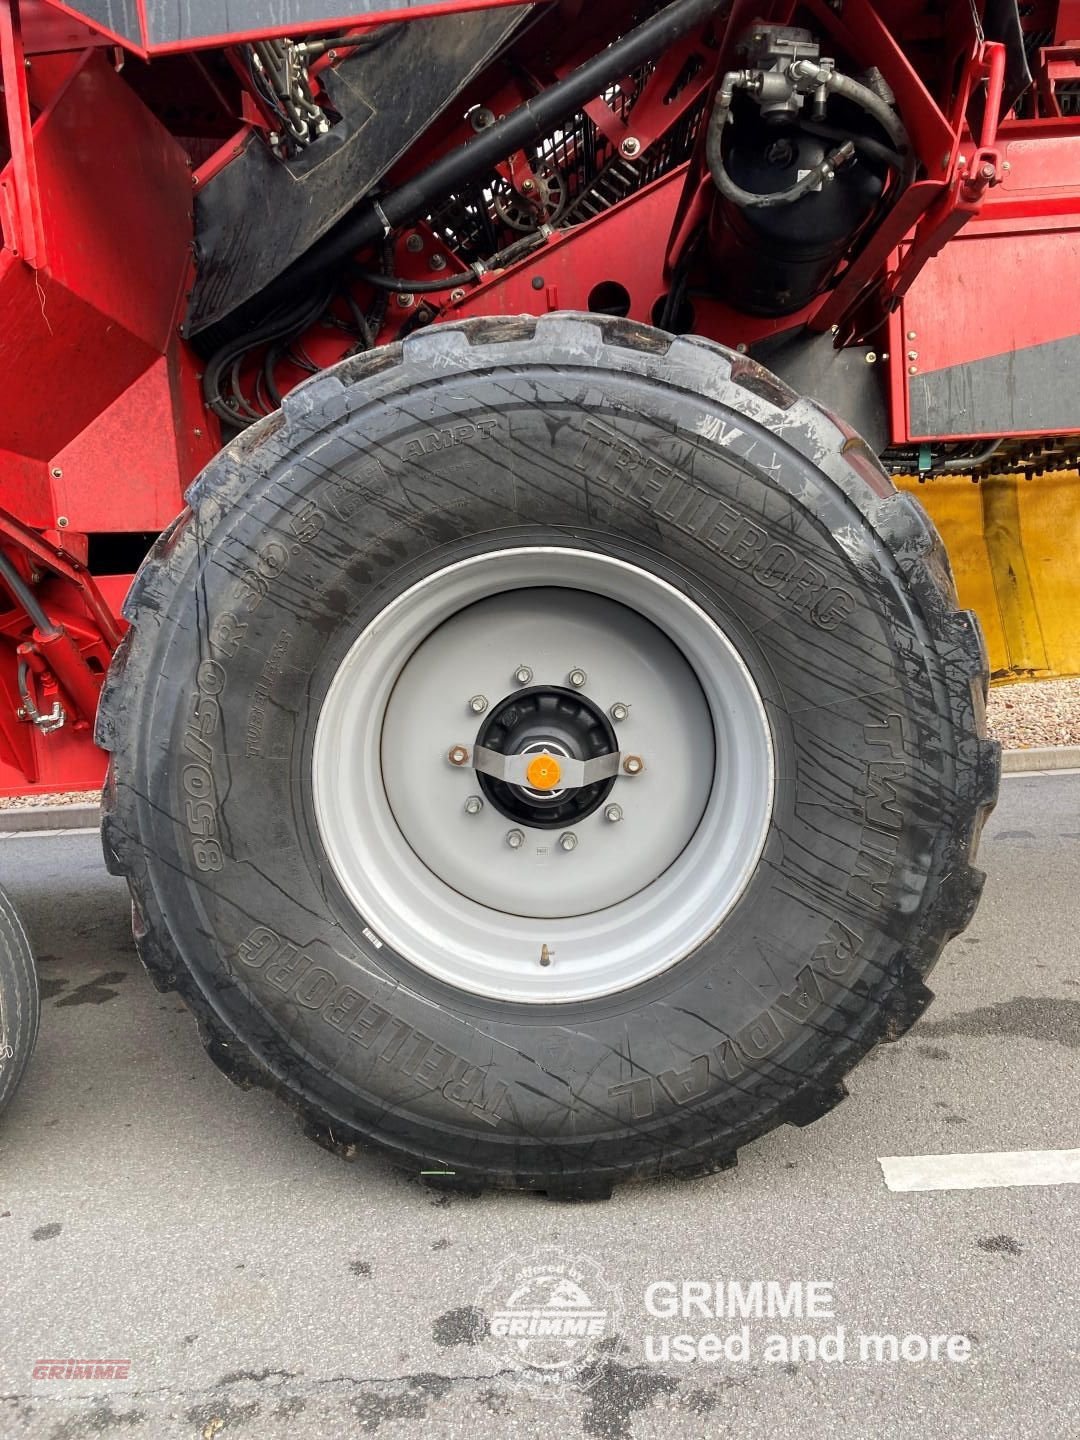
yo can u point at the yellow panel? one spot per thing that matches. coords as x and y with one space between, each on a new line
1014 545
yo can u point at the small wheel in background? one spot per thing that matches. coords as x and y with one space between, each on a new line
19 1001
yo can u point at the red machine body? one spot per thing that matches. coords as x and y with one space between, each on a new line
962 294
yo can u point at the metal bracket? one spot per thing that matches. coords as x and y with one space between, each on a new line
574 774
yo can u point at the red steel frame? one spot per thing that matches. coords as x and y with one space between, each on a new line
104 423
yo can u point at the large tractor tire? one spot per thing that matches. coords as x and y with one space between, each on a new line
548 750
20 1006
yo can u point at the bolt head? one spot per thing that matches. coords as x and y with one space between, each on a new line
630 146
870 357
577 678
568 841
515 839
523 675
912 369
458 755
61 521
912 354
528 186
473 805
478 704
457 295
613 813
406 300
414 244
619 711
633 765
911 335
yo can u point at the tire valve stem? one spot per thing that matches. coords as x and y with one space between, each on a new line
545 955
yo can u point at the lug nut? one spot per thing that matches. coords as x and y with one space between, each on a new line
619 711
515 839
458 755
568 841
613 813
478 704
523 674
577 678
473 805
633 765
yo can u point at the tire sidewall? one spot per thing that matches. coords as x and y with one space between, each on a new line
795 979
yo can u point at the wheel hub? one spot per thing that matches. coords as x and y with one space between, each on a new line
514 849
554 721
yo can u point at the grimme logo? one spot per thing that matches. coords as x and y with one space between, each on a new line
550 1317
81 1369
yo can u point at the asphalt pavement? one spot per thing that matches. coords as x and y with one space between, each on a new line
251 1286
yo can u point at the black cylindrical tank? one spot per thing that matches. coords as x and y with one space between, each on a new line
773 261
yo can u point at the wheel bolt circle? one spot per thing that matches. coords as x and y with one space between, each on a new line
473 805
478 704
577 678
613 813
515 839
568 841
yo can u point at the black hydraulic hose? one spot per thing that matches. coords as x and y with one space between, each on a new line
960 464
400 285
478 157
752 199
26 597
872 149
861 95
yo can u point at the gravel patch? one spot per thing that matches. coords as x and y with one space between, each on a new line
62 797
1042 712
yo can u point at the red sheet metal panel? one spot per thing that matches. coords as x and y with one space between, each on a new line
115 200
987 340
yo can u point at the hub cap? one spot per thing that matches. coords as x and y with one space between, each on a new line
547 722
579 907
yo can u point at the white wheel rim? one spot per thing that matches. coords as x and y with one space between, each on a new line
539 924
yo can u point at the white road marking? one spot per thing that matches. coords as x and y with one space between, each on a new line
48 834
981 1172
